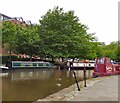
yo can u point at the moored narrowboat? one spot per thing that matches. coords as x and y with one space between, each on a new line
104 67
81 65
28 64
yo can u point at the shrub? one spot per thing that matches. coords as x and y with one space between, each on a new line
5 58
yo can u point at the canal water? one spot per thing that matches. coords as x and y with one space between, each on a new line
34 84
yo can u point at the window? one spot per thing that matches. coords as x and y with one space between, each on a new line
1 17
101 61
108 61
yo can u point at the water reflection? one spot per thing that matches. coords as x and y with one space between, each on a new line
32 84
31 74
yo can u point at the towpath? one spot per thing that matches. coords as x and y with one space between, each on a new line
105 90
98 89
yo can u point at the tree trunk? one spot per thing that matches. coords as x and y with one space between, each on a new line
30 58
52 59
73 59
62 59
10 55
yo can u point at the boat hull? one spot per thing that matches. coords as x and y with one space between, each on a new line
82 68
96 74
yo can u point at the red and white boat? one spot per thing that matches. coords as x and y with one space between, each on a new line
104 67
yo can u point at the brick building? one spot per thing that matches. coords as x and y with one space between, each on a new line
15 20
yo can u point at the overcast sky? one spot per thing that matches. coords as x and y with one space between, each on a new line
101 16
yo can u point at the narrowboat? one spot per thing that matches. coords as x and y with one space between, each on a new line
28 64
81 65
104 67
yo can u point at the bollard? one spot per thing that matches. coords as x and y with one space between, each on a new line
76 82
85 77
71 68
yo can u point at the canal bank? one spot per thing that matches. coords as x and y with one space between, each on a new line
98 89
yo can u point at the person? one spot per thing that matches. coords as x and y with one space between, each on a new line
71 65
8 63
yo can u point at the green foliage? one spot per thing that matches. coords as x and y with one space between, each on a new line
20 40
9 32
59 35
63 35
5 58
111 50
28 41
118 51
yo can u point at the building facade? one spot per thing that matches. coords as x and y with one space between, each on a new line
15 20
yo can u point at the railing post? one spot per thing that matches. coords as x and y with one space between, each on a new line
85 77
71 67
76 81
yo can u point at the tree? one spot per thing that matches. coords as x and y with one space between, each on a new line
63 35
28 41
21 40
9 32
111 50
118 51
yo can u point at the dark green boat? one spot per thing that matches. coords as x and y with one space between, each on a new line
28 64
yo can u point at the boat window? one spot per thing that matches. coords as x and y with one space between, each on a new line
16 64
34 64
101 61
40 64
47 64
108 61
44 64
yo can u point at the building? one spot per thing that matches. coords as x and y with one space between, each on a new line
15 20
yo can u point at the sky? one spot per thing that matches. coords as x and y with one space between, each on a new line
101 16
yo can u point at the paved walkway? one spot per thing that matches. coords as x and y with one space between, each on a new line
98 89
105 90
